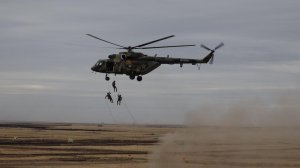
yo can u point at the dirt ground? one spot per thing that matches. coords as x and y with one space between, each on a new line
227 147
90 145
76 145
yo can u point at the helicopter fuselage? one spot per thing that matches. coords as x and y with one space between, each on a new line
128 63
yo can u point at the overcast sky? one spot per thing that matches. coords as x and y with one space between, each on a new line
46 57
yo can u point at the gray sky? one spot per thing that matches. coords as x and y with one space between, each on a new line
46 57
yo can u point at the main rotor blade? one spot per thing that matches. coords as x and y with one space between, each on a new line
105 41
203 46
141 45
219 46
165 46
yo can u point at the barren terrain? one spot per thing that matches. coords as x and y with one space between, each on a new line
91 145
76 145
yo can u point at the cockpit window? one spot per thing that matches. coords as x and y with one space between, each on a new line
99 63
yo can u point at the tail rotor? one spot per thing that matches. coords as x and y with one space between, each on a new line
211 61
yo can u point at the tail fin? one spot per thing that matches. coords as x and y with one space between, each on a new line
208 58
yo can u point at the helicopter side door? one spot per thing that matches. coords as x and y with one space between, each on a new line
110 66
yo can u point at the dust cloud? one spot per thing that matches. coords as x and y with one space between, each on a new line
281 111
243 134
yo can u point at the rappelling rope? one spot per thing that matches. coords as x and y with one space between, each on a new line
126 107
135 133
110 112
108 107
130 113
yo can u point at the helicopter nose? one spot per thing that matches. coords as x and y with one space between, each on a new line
93 68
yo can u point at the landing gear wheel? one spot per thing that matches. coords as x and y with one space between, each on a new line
131 77
139 78
106 78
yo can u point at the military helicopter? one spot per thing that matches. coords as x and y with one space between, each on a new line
136 64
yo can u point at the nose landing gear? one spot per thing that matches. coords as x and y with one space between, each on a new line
106 78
